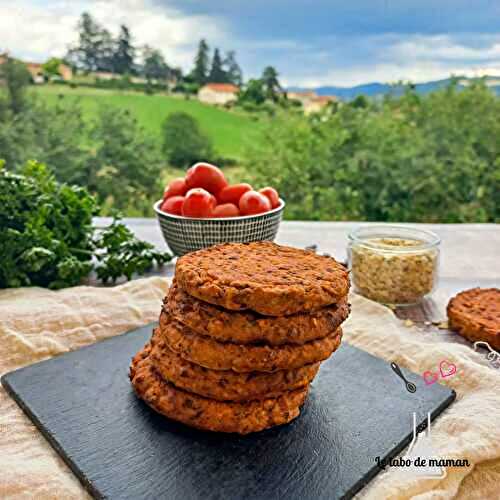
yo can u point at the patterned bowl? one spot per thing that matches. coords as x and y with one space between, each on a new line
187 234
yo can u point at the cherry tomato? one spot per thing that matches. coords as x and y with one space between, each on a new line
233 193
206 176
173 205
176 187
198 203
253 202
226 210
272 194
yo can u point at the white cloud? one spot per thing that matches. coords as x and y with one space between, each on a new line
38 29
391 58
37 32
34 32
445 48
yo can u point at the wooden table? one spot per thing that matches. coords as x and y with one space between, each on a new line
470 256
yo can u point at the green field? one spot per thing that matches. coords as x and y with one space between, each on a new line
230 131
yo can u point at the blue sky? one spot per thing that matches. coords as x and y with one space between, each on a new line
310 42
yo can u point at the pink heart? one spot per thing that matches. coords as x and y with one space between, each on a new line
430 377
447 369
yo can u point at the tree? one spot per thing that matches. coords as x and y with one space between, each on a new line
154 66
124 55
176 74
126 162
217 73
254 92
51 67
201 63
50 132
106 52
183 141
359 101
33 128
87 55
16 77
271 83
233 71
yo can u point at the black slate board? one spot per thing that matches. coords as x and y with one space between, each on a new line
357 409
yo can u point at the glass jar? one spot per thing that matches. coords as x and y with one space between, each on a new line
393 264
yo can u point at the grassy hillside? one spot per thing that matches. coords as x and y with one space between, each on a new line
230 132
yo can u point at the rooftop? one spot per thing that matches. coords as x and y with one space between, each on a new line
222 87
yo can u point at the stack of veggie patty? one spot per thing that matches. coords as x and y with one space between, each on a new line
242 334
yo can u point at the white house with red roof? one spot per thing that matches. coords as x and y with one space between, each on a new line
311 102
218 93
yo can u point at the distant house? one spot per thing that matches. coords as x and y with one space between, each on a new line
38 75
66 72
36 70
311 102
303 97
218 93
316 104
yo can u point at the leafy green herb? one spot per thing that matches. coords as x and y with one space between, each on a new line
47 238
121 253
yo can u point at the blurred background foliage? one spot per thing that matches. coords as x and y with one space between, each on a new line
430 158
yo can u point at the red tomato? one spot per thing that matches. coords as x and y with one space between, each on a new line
232 194
226 210
198 203
253 202
272 194
176 187
173 205
206 176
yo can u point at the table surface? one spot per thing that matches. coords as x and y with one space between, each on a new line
470 251
470 256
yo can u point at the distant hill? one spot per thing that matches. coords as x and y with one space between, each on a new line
378 89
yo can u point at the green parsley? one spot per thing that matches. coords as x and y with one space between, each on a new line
47 238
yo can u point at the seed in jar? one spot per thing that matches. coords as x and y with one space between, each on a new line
386 276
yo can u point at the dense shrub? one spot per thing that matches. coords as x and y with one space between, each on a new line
186 88
52 134
410 158
184 142
254 92
125 164
16 77
113 157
